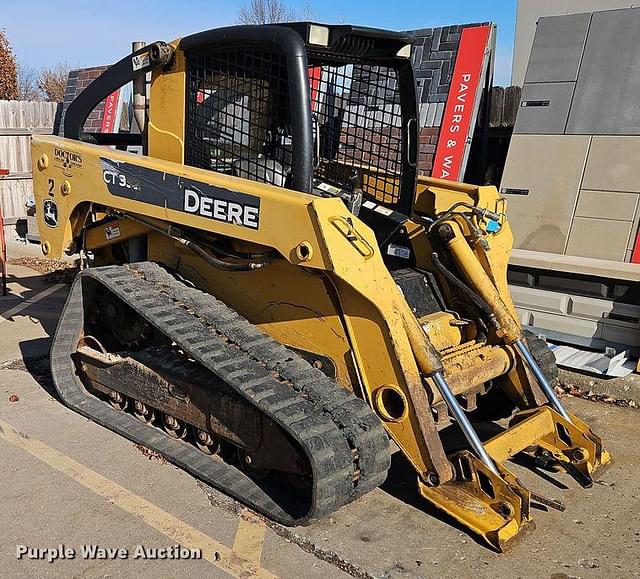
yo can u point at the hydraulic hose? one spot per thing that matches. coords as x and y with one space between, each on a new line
469 265
214 261
199 250
265 257
464 288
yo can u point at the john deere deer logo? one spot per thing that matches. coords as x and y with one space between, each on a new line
50 213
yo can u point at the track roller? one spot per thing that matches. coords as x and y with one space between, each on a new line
247 464
206 442
143 413
118 401
174 427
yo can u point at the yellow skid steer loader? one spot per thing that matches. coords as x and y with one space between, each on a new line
276 301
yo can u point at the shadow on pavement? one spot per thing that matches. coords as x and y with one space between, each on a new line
401 484
27 285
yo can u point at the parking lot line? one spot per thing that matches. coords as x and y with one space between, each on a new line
240 564
29 302
249 538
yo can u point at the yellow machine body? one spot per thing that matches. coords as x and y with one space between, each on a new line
331 294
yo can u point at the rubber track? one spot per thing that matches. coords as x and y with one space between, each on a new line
342 438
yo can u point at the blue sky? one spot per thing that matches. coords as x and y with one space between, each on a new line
45 32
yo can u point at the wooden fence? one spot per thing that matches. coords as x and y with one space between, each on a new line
18 121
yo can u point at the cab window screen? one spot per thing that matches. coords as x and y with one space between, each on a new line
238 114
357 107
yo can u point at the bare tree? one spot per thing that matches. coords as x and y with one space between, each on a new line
265 12
28 89
8 70
307 13
53 81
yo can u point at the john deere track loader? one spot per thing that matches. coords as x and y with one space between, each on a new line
276 302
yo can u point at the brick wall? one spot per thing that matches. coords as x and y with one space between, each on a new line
77 81
427 149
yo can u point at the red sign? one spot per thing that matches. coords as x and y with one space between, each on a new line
635 256
315 75
459 111
110 112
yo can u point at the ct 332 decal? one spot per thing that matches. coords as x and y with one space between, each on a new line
173 192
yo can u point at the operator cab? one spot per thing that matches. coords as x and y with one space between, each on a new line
324 110
328 110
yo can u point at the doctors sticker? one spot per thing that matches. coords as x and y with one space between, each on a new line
66 161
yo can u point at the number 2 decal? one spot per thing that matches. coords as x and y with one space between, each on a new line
52 184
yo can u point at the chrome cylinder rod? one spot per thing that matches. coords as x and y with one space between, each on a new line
548 390
464 423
